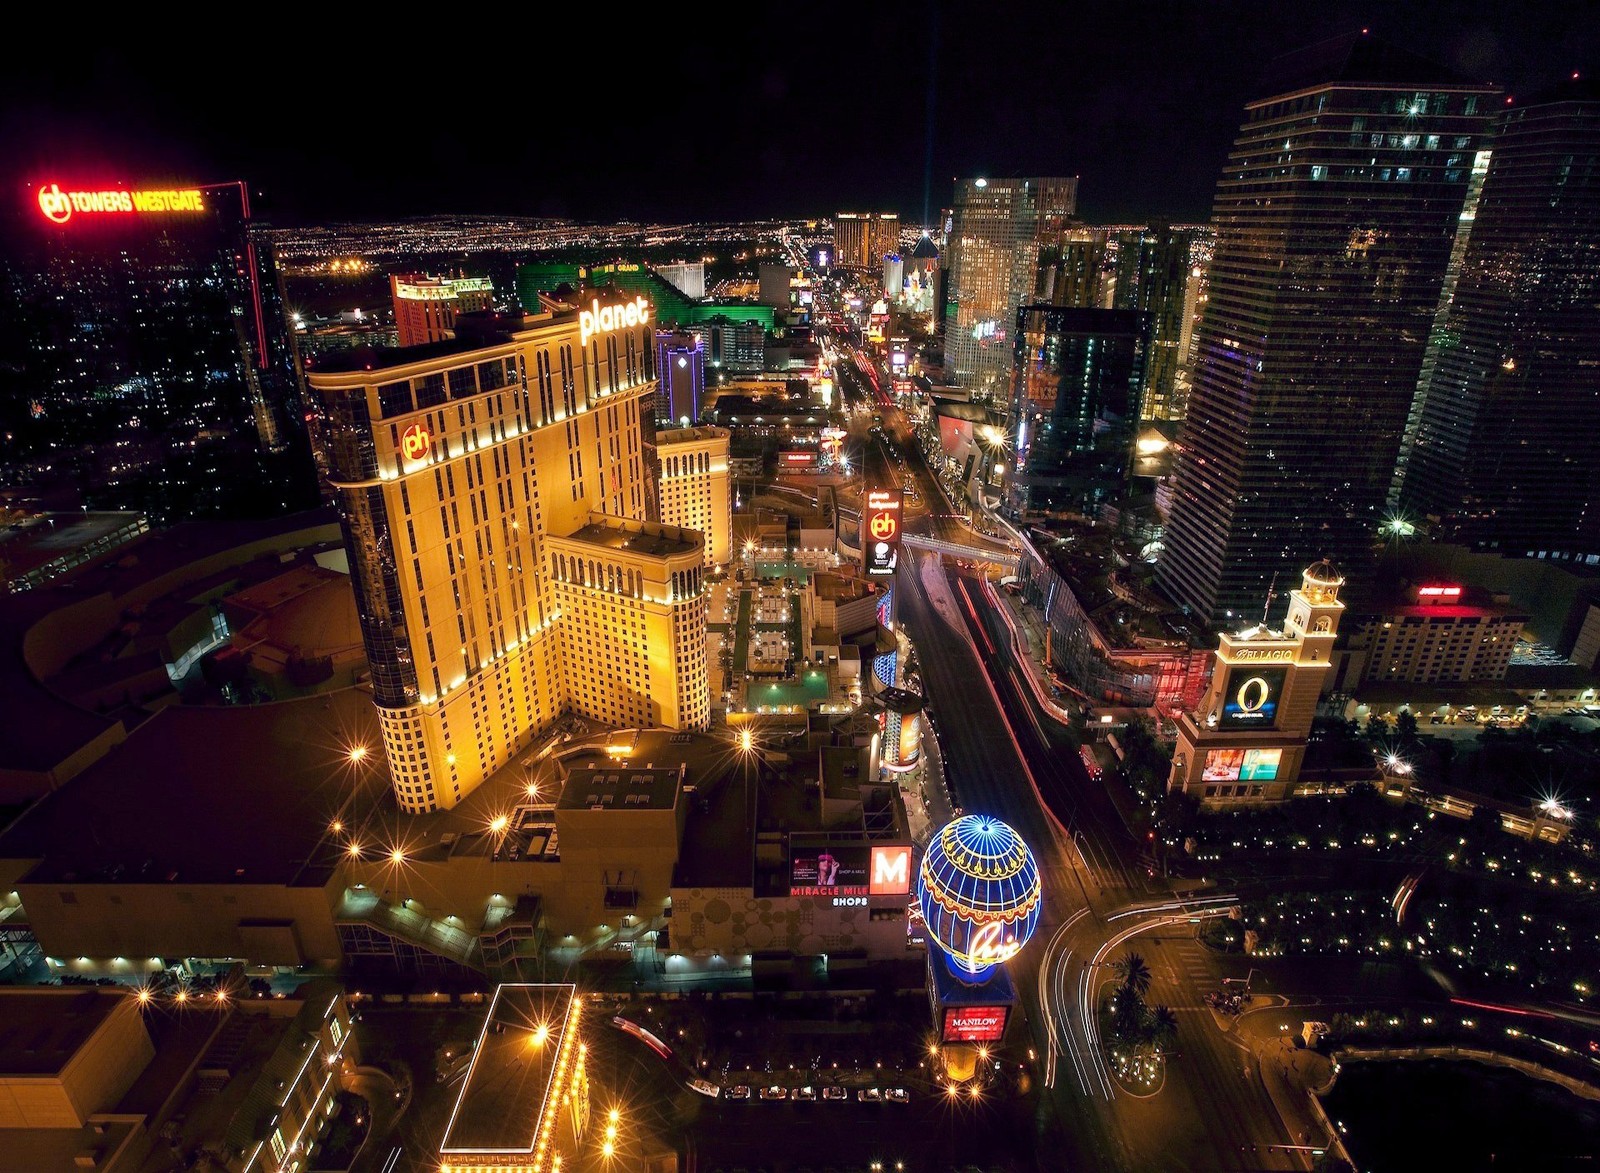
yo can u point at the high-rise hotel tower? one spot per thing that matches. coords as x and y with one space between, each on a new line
495 501
1336 217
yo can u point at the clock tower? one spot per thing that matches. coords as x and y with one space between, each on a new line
1246 741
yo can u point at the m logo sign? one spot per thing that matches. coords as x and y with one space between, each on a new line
891 871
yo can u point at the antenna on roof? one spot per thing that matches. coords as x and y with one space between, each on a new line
1272 593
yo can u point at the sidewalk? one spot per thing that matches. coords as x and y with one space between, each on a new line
1291 1076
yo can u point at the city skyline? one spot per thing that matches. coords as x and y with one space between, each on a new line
554 631
1150 92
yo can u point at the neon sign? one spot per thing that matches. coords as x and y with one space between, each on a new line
891 871
58 206
975 1024
1439 592
603 320
414 442
881 530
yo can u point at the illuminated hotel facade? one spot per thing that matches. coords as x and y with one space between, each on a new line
1246 741
496 501
994 256
694 486
426 308
862 239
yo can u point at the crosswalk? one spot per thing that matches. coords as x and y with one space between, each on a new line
1184 972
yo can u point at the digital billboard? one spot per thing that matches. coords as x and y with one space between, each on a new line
880 531
1223 765
828 869
1250 700
1260 765
974 1024
1242 765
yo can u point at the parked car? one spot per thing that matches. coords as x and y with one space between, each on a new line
897 1095
805 1095
870 1095
738 1092
774 1093
832 1092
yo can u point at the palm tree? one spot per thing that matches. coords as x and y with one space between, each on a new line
1128 1015
1133 973
1163 1027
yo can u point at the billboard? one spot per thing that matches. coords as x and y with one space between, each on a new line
1223 765
910 748
798 459
1242 765
891 870
880 531
1250 700
828 869
1260 765
974 1024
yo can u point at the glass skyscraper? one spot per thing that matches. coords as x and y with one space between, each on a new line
1076 384
1501 443
1155 277
1336 215
994 250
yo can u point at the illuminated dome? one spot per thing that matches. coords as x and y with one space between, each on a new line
1323 573
1321 582
979 892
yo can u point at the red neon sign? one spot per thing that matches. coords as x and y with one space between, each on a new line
1439 592
975 1024
414 442
58 206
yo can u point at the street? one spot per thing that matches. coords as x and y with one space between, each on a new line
1006 754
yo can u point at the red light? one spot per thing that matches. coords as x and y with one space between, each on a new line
1439 592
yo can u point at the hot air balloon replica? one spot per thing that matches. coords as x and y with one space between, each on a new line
979 896
979 893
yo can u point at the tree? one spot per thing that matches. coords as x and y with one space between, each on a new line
1405 728
1128 1015
1132 973
1163 1027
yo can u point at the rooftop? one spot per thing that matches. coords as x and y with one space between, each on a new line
507 1089
43 539
639 537
42 729
474 331
689 435
41 1030
167 807
1352 58
622 787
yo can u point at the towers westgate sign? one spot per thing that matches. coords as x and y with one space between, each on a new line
59 206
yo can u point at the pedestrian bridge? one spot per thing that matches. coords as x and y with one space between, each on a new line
969 550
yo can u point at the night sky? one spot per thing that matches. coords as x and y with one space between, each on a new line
707 111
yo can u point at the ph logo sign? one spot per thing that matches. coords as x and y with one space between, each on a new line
55 204
414 442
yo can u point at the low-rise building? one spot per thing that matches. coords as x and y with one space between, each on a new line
1438 634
